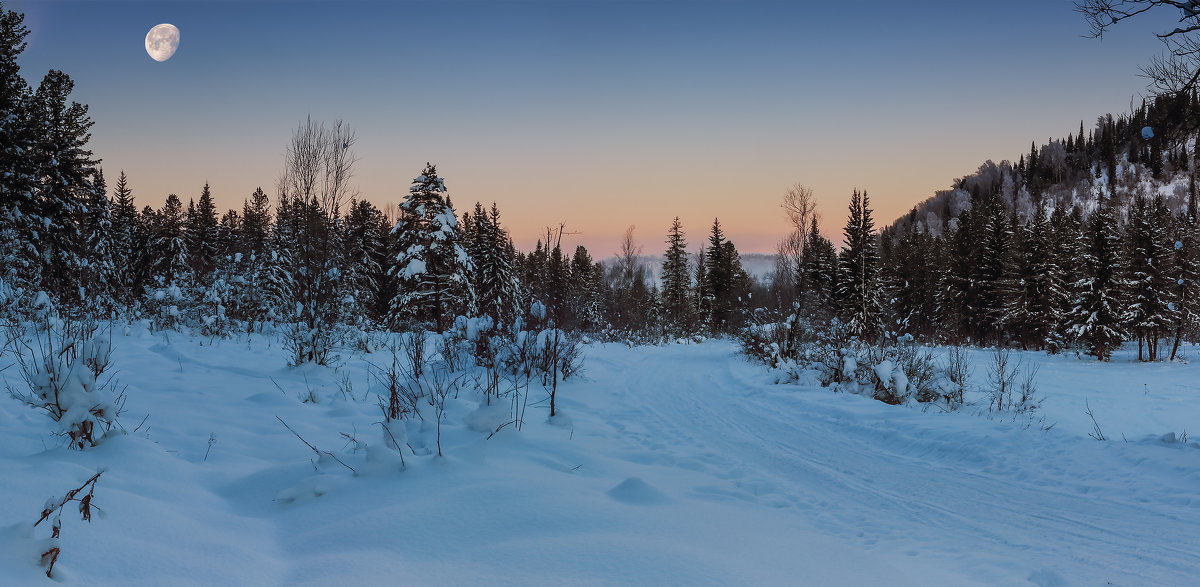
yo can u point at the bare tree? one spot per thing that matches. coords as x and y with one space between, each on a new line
1177 70
317 168
801 208
318 165
630 251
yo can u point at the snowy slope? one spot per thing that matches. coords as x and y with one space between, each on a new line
671 465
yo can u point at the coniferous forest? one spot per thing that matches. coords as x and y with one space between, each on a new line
326 386
1084 243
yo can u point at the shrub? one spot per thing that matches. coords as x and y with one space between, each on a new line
62 363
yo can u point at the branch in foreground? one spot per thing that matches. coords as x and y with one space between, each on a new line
320 453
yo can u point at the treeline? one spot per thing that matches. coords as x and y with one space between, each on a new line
310 257
1088 242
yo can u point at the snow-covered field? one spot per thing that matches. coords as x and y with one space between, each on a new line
682 464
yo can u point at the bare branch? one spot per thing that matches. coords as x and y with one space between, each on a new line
1178 70
320 453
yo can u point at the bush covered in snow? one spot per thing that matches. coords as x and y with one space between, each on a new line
62 363
893 370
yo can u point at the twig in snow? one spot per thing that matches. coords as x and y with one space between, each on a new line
54 507
399 451
1096 432
499 428
319 452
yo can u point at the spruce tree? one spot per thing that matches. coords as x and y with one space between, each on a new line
587 290
703 298
1066 251
64 167
278 286
366 261
1042 285
202 236
1186 269
992 276
1095 319
912 280
726 282
1148 315
494 278
98 274
171 267
18 204
817 277
858 280
124 229
432 265
676 282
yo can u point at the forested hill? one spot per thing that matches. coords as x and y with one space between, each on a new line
1148 151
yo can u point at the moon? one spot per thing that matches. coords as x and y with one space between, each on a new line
162 41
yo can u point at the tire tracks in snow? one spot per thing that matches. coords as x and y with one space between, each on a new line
885 480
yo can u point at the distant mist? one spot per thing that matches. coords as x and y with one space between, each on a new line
758 265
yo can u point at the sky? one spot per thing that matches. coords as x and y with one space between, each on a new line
594 114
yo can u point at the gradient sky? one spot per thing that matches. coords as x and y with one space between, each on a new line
596 114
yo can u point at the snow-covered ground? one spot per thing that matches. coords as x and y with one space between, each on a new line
682 464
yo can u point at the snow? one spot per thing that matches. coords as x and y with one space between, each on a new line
681 464
413 268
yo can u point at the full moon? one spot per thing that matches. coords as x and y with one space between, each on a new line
162 41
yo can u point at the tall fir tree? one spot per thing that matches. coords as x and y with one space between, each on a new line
1186 269
124 240
19 210
817 276
1095 319
202 236
365 262
494 279
992 276
1149 314
587 290
432 265
98 273
64 167
171 267
676 280
858 282
278 286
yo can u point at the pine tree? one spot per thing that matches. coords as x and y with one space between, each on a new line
63 166
676 282
278 285
494 278
992 276
1186 268
1148 315
432 265
124 229
817 276
1066 251
19 265
171 265
727 283
365 260
1041 288
858 281
202 236
913 283
587 290
1095 318
98 273
703 298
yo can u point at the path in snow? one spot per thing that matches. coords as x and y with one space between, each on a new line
990 499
